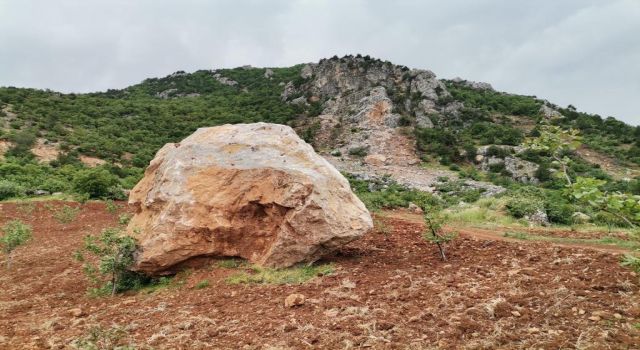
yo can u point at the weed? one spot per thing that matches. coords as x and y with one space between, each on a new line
124 218
202 284
631 261
16 233
111 206
230 263
380 227
292 275
26 207
99 338
66 214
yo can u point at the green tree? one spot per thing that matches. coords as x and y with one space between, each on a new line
96 182
434 234
114 251
557 142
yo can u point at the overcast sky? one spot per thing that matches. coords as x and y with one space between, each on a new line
580 52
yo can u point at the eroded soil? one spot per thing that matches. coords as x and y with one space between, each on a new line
389 291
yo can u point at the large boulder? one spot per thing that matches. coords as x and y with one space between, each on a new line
255 191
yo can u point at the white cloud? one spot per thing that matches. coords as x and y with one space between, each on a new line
573 51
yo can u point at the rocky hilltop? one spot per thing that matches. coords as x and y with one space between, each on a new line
368 111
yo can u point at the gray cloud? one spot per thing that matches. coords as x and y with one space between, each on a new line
578 52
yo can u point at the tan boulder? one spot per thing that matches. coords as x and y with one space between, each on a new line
255 191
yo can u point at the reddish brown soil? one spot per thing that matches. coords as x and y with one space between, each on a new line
389 291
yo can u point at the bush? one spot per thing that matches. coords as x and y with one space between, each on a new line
97 183
498 152
10 189
66 214
525 201
358 151
519 207
16 233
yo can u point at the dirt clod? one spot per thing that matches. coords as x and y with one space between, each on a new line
294 300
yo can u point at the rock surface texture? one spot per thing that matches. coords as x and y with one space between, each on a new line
255 191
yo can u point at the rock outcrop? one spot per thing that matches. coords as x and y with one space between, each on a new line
362 100
255 191
519 169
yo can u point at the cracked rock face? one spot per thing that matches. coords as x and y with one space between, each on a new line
255 191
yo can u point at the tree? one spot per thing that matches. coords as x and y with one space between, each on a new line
115 255
16 233
557 142
96 182
433 232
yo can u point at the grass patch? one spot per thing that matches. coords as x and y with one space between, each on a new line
202 284
231 263
292 275
626 244
485 212
53 197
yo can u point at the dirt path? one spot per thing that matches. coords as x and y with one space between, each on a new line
498 233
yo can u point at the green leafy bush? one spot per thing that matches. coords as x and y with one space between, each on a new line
519 207
15 234
9 189
97 183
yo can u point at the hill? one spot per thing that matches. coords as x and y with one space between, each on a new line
381 123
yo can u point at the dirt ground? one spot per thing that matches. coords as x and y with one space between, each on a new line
389 291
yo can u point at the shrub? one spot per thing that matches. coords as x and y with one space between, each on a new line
525 201
358 151
114 252
498 152
66 214
124 218
498 168
16 233
97 183
10 189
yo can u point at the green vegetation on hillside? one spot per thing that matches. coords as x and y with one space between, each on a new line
126 127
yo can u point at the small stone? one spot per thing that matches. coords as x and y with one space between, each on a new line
617 316
516 313
580 312
294 300
533 330
595 318
77 312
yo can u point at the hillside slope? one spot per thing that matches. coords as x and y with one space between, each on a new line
369 117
